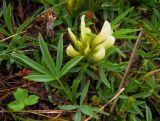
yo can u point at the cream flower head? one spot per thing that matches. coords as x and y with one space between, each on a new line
89 45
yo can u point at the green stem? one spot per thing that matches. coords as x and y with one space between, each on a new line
63 87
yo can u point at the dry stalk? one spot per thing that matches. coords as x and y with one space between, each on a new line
12 36
34 111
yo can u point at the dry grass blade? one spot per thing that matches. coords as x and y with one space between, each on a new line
12 36
35 111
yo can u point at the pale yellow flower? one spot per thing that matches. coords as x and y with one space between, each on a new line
84 29
109 42
89 45
105 35
99 55
71 51
73 37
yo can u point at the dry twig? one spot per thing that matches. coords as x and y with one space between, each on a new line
12 36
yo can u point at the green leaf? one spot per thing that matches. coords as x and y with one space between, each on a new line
118 51
47 57
156 12
75 89
70 64
24 25
16 105
84 93
86 109
31 63
125 36
124 31
142 94
137 109
78 116
133 118
21 94
31 100
49 95
40 78
121 16
148 114
113 66
59 53
3 31
4 7
8 18
68 107
22 99
75 85
132 86
1 13
114 50
91 74
103 77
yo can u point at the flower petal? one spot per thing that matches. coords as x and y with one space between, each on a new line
71 51
104 33
99 55
109 42
82 27
86 50
84 30
73 37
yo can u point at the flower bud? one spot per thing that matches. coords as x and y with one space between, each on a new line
73 37
71 51
86 50
84 29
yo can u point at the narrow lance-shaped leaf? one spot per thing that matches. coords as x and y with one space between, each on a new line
8 17
125 36
148 114
137 109
78 116
88 110
4 7
40 78
3 31
75 89
70 64
91 74
124 31
121 16
1 13
103 77
31 63
47 56
59 53
84 93
68 107
113 66
24 25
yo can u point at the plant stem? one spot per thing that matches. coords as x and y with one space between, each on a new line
63 87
